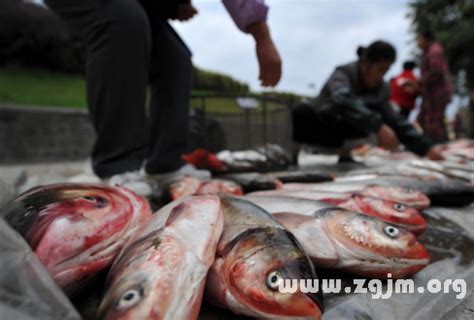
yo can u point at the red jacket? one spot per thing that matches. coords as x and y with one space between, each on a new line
398 93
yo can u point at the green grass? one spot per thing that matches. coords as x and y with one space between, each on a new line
36 87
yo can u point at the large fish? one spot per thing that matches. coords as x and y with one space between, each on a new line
255 253
391 212
353 242
405 195
160 273
447 192
424 169
76 230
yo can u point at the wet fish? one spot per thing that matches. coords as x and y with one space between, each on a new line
405 195
301 176
254 254
391 212
253 181
420 169
448 192
193 186
465 173
461 149
76 230
353 242
160 273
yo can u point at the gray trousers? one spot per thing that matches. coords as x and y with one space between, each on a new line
129 46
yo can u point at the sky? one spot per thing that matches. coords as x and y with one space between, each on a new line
312 36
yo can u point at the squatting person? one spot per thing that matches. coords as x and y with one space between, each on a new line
354 103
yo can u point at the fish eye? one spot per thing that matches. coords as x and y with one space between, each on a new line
399 207
391 231
99 202
273 280
130 298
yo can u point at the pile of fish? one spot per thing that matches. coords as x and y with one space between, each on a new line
232 249
459 150
269 157
455 151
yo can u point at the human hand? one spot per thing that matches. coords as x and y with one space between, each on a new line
270 64
387 138
435 153
185 11
269 60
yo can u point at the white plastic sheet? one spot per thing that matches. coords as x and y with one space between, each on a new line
26 289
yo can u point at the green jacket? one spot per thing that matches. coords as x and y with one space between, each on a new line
361 112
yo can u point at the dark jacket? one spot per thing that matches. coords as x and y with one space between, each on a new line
358 112
164 9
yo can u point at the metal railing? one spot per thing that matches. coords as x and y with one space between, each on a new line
269 122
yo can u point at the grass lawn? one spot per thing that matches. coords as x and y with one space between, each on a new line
36 87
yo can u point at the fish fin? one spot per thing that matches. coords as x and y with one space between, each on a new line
310 232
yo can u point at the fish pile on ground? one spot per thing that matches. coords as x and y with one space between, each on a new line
235 251
458 151
269 157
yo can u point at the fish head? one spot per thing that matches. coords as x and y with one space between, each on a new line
378 247
258 262
138 294
406 196
184 187
75 230
218 186
389 211
160 273
230 187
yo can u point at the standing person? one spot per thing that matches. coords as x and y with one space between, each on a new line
129 44
435 87
354 104
404 89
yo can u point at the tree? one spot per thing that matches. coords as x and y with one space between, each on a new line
452 23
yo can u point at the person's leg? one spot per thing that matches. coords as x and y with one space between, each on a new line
431 118
171 84
304 124
117 37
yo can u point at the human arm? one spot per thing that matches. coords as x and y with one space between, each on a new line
407 133
268 58
350 108
250 17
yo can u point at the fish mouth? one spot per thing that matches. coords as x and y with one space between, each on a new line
367 263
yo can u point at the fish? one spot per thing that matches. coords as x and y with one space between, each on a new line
391 212
447 192
424 169
269 157
461 150
465 173
253 181
301 176
193 186
359 185
352 242
254 255
160 273
76 230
